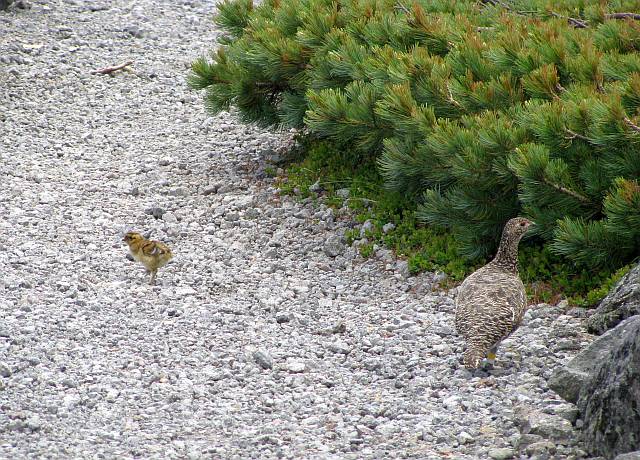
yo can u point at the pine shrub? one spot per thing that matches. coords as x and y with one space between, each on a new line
477 110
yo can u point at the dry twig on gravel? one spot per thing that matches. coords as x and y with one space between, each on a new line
108 70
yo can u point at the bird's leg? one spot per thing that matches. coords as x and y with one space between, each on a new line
491 356
152 280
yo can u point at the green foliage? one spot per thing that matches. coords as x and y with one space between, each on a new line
595 295
233 16
547 276
473 111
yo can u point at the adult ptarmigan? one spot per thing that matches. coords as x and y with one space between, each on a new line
492 301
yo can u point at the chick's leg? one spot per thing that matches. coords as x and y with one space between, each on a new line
152 280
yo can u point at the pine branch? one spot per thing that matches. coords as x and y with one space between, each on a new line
567 191
574 135
452 100
632 125
635 16
577 23
401 6
496 3
270 85
580 24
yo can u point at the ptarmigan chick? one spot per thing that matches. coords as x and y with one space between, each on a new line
492 301
152 254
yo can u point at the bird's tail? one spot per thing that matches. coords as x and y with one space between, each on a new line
472 357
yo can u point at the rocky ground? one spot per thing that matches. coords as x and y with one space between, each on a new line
266 336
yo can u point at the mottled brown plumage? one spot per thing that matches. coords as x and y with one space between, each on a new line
152 254
491 302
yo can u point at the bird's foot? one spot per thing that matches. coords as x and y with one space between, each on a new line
489 362
480 372
486 365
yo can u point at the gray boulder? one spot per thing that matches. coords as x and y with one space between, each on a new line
629 456
621 303
569 380
609 401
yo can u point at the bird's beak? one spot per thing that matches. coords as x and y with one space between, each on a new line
530 226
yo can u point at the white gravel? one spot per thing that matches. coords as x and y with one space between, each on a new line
257 342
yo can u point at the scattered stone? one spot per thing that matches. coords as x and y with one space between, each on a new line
386 255
545 425
295 366
283 317
366 229
402 267
156 212
252 213
178 191
339 346
439 278
465 438
136 32
263 359
526 439
343 193
184 291
169 217
5 371
338 328
315 187
210 190
93 7
386 228
566 411
541 448
503 453
333 246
